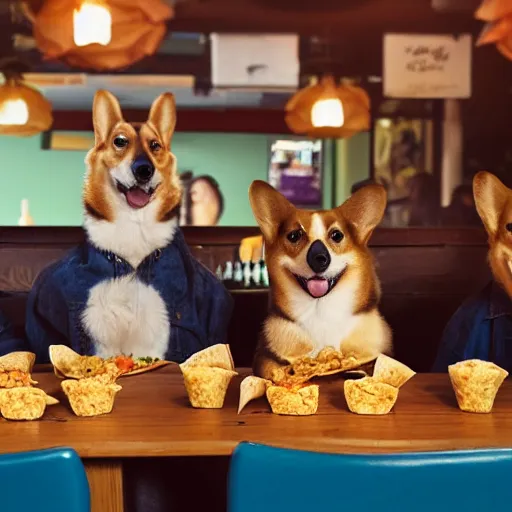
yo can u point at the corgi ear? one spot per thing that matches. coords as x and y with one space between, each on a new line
270 208
364 210
106 113
491 197
163 116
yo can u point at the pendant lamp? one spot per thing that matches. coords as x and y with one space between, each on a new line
498 29
99 35
24 111
329 110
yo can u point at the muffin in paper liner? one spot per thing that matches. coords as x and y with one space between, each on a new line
369 396
24 403
206 387
294 401
476 384
91 396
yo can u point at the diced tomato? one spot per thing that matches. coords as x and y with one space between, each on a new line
125 364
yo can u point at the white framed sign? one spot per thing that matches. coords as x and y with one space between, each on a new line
427 66
255 60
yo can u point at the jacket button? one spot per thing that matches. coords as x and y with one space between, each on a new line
178 315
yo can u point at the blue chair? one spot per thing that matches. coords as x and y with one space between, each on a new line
43 481
269 479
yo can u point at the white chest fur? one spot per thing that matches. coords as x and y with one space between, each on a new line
126 316
329 320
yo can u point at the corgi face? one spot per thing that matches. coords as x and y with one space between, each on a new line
312 252
131 165
494 205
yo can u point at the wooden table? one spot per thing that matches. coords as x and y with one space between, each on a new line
152 418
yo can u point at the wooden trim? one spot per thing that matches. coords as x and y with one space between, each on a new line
105 479
218 236
237 120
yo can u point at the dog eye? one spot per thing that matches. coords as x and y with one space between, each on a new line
120 141
509 227
154 145
294 236
337 236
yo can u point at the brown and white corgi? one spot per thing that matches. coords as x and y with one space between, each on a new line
324 289
493 202
131 198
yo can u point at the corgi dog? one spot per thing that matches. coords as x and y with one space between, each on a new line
131 198
324 288
493 201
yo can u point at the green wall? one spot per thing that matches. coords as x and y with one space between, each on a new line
52 180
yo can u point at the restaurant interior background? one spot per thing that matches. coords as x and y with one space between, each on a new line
421 149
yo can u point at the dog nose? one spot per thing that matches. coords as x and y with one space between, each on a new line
143 170
318 257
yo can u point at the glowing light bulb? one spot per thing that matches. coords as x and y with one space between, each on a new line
92 23
327 113
14 112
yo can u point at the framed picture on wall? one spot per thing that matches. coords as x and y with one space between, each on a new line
296 170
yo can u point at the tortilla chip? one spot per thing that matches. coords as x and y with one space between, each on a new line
328 362
207 387
369 396
251 388
476 384
144 369
392 372
24 403
22 361
297 401
91 396
68 363
217 356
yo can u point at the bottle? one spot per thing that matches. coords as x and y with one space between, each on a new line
238 275
256 273
25 219
218 273
247 274
228 272
264 275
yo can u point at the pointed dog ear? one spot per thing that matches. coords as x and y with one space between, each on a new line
163 116
106 113
364 210
491 198
270 209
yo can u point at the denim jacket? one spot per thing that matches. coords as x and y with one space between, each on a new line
198 305
8 342
480 329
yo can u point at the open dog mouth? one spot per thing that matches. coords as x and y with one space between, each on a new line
318 286
136 196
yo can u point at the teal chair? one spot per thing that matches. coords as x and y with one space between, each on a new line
265 479
43 481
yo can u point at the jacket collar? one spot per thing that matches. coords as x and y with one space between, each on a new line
500 303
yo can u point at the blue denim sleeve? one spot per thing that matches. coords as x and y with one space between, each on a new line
8 342
217 305
46 316
467 335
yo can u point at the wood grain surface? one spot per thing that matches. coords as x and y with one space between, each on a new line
152 418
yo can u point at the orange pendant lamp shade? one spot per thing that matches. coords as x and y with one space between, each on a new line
100 34
328 110
498 29
24 111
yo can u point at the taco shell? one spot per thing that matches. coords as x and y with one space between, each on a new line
476 384
22 361
24 403
369 396
91 396
392 372
216 356
251 388
206 387
298 401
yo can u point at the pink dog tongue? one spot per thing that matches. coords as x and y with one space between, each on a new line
318 287
137 198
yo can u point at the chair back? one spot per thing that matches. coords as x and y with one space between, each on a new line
280 480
